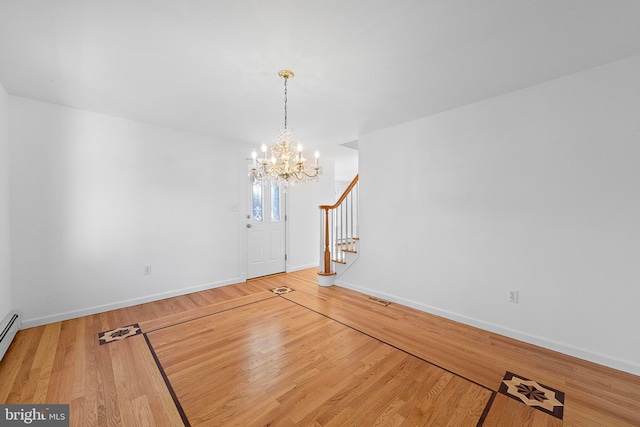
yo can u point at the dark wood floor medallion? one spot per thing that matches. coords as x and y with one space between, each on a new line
119 333
533 394
281 290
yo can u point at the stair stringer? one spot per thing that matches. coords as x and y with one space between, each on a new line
339 268
349 258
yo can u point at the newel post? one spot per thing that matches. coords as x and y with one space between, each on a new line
327 251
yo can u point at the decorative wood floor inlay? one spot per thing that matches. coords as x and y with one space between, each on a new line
280 364
533 394
281 290
119 333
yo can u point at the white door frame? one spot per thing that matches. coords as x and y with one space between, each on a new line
266 240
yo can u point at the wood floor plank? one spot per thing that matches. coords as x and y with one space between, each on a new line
44 358
86 390
140 385
14 362
23 384
107 395
502 412
61 382
469 407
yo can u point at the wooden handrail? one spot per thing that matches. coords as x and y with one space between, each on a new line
326 208
344 195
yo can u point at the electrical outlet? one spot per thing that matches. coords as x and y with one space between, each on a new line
147 269
512 295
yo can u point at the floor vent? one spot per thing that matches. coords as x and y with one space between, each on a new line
8 329
378 301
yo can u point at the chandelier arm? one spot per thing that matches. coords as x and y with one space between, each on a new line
311 175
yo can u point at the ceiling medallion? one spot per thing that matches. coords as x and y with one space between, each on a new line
286 164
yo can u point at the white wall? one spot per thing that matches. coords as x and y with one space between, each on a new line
537 190
5 254
95 198
304 218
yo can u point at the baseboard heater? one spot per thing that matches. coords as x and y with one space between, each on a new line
9 327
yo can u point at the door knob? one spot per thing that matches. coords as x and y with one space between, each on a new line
249 225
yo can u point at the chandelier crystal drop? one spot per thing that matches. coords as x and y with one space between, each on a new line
285 163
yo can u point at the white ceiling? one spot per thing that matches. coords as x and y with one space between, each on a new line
361 65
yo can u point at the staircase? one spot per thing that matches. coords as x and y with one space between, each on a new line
339 241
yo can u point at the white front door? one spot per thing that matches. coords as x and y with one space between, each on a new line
266 229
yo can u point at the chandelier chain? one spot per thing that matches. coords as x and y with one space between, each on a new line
285 102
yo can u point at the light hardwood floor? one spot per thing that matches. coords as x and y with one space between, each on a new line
241 355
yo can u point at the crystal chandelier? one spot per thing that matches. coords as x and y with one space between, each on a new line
286 164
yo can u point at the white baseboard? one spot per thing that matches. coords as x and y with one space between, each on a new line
38 321
301 267
591 356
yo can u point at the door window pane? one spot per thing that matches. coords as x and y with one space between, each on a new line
256 202
275 202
